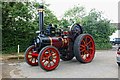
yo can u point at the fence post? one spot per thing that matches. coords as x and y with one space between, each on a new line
18 51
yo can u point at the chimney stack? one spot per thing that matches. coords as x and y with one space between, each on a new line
41 17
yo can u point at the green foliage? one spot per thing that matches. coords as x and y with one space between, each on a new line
75 14
93 23
64 24
103 46
50 18
99 28
19 23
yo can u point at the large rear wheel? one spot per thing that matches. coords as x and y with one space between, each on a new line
84 48
48 58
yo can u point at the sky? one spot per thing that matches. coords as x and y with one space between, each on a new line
109 8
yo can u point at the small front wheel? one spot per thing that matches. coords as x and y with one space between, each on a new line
31 60
48 58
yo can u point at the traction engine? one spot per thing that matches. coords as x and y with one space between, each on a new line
53 44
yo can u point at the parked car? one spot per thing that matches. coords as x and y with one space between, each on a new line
118 56
112 40
115 41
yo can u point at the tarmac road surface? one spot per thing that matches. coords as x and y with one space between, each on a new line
103 66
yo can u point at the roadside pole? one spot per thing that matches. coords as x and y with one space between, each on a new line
18 52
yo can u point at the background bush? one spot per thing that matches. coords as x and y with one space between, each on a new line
20 21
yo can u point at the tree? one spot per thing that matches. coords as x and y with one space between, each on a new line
93 23
19 23
99 27
50 18
64 24
16 24
74 15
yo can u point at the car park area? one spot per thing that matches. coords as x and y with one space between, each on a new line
103 66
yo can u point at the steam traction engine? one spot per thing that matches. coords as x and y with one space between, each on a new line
52 44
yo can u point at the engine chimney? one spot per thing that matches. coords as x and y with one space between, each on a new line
41 17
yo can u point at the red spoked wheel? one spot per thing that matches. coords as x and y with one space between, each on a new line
31 56
48 58
84 48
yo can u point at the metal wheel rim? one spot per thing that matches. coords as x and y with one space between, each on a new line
87 48
30 59
45 61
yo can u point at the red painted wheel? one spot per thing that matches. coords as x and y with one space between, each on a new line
29 58
84 48
48 58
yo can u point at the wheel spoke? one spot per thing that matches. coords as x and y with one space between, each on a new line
49 52
82 46
88 43
44 58
87 53
29 56
45 54
53 62
48 64
91 48
54 56
83 42
29 53
82 50
84 56
43 61
31 59
35 60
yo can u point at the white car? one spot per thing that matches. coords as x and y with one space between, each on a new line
118 56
